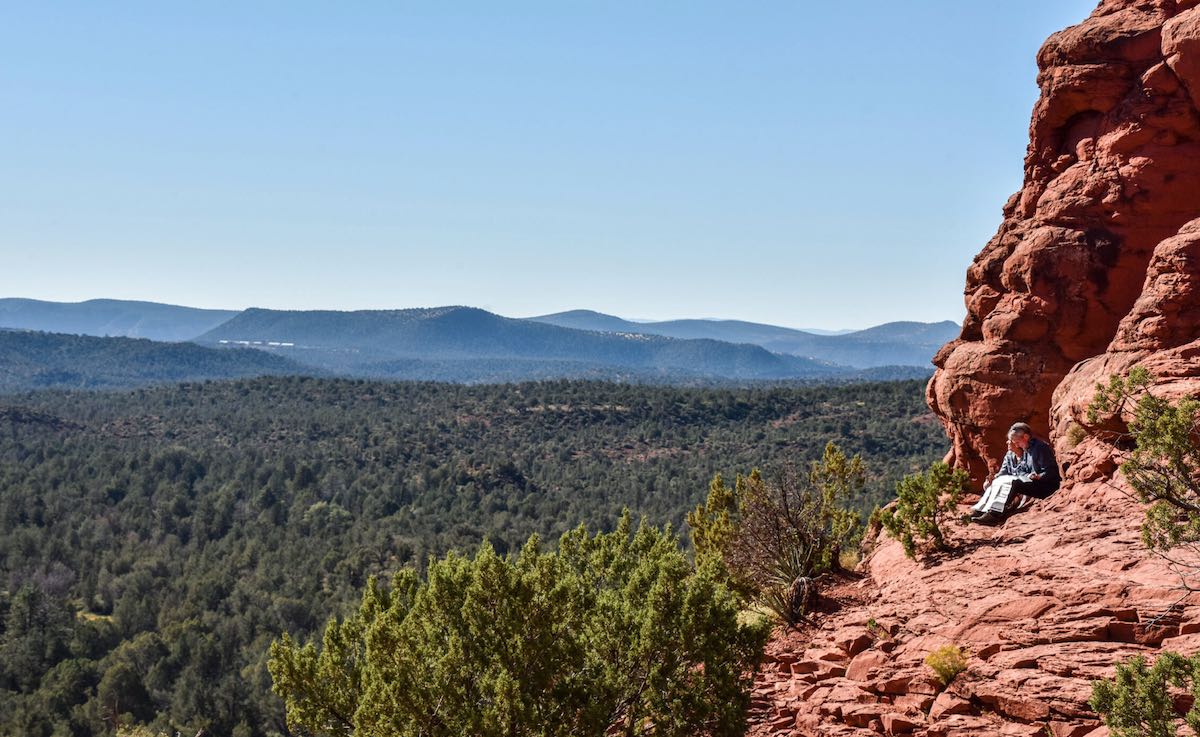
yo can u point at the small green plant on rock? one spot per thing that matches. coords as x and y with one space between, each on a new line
1075 434
947 662
925 503
877 630
1136 703
1164 466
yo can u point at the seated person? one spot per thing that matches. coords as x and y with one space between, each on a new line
1028 469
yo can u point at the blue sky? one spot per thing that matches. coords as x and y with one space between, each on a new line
829 165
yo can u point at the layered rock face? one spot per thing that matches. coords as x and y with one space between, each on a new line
1093 268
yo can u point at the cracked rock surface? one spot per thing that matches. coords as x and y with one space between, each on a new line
1042 605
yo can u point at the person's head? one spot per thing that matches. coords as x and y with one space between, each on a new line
1019 434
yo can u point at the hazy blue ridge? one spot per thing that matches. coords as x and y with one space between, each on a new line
37 360
891 344
111 317
466 345
927 332
407 343
732 331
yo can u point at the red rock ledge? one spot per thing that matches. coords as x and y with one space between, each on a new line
1043 605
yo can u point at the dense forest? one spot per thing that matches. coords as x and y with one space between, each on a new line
154 542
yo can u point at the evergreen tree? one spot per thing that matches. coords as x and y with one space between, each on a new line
925 502
616 629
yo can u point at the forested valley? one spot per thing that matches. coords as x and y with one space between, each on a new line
154 542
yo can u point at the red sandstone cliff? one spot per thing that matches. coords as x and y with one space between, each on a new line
1095 268
1111 175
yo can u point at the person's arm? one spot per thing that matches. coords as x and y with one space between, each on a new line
1008 467
1042 461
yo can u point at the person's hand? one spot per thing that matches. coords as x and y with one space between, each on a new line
1035 476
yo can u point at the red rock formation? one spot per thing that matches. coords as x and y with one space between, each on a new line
1095 269
1161 333
1113 170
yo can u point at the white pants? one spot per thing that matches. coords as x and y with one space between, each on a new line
995 496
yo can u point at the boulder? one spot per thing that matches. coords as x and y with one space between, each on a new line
894 723
947 704
853 640
865 664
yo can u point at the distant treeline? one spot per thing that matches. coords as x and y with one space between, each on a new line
154 542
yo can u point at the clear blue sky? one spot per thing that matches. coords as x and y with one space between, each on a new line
807 164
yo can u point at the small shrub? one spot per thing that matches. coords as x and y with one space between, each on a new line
925 502
877 630
1075 434
947 662
1136 703
796 527
776 536
875 520
1164 466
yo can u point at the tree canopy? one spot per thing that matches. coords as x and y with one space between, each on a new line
615 629
153 543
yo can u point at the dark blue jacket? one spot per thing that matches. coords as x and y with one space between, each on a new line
1042 459
1037 459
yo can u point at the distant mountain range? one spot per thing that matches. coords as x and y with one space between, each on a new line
387 342
111 317
891 344
463 344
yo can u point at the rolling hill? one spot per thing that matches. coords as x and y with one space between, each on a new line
111 317
475 345
894 343
459 344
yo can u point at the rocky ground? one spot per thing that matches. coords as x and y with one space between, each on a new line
1043 605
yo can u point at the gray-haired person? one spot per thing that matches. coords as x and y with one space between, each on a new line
1028 469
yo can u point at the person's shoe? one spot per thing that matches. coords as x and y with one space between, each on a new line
976 514
991 519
